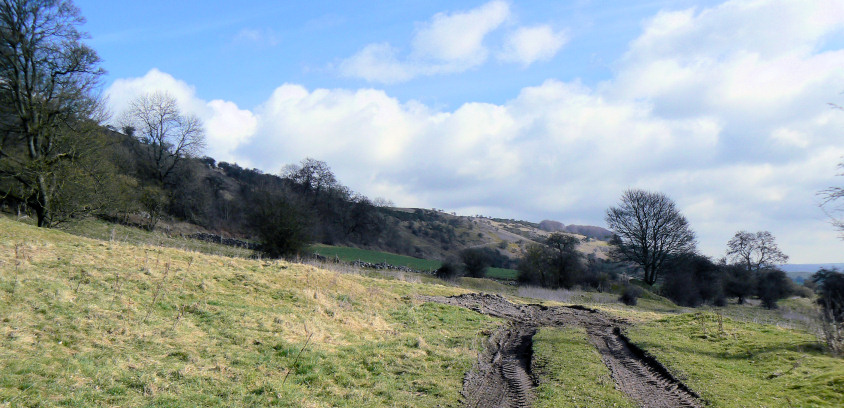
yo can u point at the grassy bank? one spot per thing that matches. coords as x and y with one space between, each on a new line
574 375
96 323
87 322
347 254
741 364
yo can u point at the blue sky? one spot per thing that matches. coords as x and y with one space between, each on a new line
531 110
241 51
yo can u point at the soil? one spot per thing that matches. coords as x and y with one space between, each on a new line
502 377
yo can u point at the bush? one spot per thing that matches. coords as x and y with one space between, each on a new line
774 285
720 300
801 290
449 270
631 294
830 284
281 226
692 280
739 282
475 262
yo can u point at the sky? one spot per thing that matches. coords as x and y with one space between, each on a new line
526 110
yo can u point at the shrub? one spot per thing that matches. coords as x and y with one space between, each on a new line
631 294
830 284
691 280
281 226
449 270
773 286
475 262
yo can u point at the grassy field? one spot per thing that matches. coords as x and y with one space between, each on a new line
347 254
744 364
502 273
87 322
574 374
105 231
96 323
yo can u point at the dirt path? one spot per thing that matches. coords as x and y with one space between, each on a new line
501 377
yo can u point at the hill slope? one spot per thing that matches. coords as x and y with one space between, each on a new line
97 323
94 323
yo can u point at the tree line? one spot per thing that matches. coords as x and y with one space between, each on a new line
59 161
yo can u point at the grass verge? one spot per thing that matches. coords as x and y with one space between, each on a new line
573 371
96 323
742 364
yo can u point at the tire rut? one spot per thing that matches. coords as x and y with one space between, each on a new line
501 377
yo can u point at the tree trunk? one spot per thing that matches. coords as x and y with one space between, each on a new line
42 208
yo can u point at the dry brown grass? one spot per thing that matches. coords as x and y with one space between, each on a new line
86 322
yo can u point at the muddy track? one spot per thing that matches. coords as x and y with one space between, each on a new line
501 377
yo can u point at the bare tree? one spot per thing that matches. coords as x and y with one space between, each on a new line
48 103
311 175
830 285
755 251
566 261
167 134
649 228
832 204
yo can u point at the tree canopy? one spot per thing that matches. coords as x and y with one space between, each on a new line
48 101
649 228
755 251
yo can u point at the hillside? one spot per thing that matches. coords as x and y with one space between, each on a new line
434 234
86 322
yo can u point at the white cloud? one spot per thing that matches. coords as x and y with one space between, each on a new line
448 43
453 43
457 38
735 129
378 63
527 45
263 37
753 57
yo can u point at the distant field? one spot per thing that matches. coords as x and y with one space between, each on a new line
347 254
501 273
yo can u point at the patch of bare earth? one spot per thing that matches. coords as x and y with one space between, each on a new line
502 378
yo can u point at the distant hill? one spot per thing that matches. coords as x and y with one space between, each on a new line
802 272
551 226
590 231
812 268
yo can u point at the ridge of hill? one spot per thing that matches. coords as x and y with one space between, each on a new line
434 234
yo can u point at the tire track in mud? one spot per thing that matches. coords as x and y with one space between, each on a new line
501 377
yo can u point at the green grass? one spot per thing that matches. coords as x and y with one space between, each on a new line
745 364
574 374
96 323
105 231
347 254
87 322
502 273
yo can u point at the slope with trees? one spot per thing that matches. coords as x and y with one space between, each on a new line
49 109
